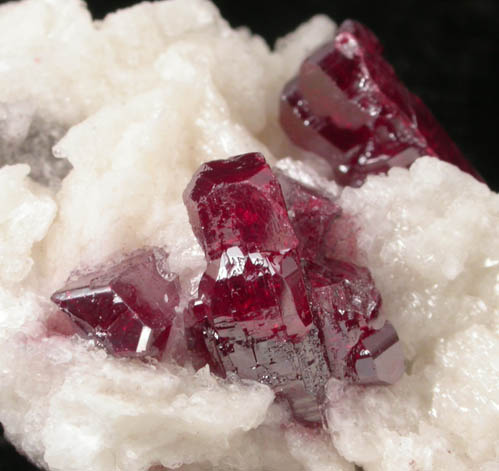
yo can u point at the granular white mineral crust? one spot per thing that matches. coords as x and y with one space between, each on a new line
148 94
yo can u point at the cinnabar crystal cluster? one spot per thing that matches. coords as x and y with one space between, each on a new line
280 301
272 305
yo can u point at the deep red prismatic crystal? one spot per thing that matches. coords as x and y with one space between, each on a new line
128 307
348 106
256 323
346 307
252 312
238 203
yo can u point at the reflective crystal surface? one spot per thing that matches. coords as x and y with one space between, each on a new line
377 357
348 106
312 214
238 202
266 310
346 306
128 307
252 312
273 304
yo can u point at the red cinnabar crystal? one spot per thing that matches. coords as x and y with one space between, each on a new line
238 203
265 310
252 306
272 305
256 323
346 308
348 106
128 307
312 214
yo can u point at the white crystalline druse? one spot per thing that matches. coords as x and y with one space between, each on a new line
147 95
430 236
26 213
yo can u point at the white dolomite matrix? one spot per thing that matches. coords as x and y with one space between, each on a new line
148 94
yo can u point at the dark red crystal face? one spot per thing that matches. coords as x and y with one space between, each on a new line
276 308
128 307
376 358
348 106
273 305
238 202
255 321
346 305
312 214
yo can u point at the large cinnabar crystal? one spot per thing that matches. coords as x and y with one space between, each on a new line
273 305
252 307
348 106
265 310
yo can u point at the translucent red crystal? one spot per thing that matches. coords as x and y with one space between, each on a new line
348 106
272 305
346 307
252 310
312 213
376 358
273 315
238 202
253 313
128 307
324 231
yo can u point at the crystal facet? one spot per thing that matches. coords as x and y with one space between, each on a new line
377 357
346 306
273 305
312 214
238 202
348 106
128 307
256 322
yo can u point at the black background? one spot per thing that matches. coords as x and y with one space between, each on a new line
445 51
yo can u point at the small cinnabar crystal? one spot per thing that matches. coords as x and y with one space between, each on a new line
128 307
346 306
312 214
348 106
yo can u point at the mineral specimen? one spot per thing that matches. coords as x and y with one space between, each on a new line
128 307
147 95
348 106
257 315
252 306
